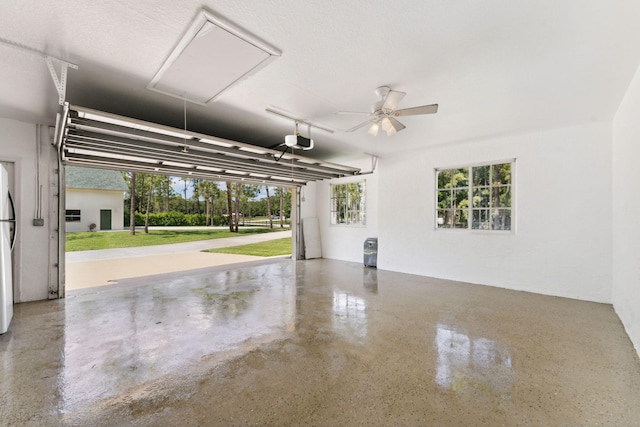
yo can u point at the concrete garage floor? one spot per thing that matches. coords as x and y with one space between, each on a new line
87 269
316 342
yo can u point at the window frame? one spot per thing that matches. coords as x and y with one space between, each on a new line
470 191
68 215
359 211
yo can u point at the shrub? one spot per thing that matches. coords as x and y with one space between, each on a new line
168 219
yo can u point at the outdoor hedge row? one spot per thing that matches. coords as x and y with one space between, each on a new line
175 219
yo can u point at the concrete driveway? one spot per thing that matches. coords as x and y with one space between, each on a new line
85 269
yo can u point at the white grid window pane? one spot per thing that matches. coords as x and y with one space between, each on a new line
348 203
477 197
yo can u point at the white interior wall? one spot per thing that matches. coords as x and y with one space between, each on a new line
562 240
18 144
308 200
626 211
346 242
90 202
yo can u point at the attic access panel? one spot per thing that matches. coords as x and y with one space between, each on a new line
97 139
212 56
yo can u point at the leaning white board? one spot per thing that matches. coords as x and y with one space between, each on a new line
311 236
6 281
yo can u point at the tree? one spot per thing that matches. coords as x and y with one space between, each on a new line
220 206
453 197
269 207
132 206
165 191
281 195
186 208
237 204
232 226
210 192
248 192
196 194
257 207
146 217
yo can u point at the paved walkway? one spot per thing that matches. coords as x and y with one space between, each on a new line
86 269
174 248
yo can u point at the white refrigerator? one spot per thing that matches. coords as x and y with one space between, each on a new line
7 237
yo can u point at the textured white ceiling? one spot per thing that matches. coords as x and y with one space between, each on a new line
493 66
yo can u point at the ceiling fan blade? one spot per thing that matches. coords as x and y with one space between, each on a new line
392 100
361 125
414 111
396 124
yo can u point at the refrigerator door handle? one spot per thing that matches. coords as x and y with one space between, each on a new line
13 221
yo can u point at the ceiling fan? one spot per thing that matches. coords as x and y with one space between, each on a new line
383 113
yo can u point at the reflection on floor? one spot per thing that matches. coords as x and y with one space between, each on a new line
316 342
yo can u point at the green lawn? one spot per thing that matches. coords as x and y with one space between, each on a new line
270 248
85 241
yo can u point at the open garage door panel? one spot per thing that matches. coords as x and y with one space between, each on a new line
102 140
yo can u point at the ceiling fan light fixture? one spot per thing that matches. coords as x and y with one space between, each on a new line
386 124
374 129
383 112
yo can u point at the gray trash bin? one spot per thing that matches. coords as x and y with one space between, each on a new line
371 252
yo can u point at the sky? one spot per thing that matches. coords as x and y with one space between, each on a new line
178 187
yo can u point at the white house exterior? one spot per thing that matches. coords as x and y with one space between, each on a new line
94 196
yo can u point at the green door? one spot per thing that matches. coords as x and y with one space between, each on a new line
105 219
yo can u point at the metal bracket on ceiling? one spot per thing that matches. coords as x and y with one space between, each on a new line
374 164
304 122
59 82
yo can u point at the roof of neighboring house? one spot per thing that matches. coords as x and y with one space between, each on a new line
96 179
